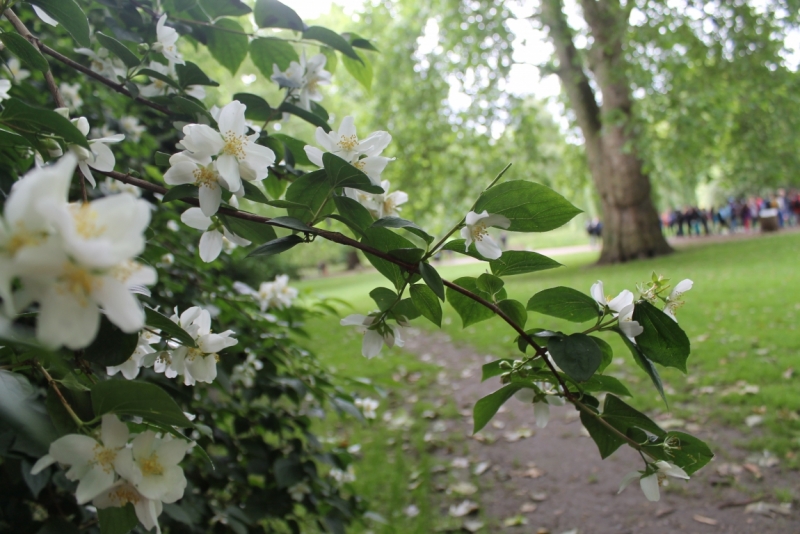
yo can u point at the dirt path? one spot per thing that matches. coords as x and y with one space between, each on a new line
556 482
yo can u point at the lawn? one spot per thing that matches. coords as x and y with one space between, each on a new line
741 317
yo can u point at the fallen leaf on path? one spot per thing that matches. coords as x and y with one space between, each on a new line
754 469
788 373
411 511
518 434
527 508
572 531
499 425
765 459
473 526
487 438
481 468
753 420
764 508
667 424
462 488
515 521
460 463
664 512
429 414
539 497
462 509
705 520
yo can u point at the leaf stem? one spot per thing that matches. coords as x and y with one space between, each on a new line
53 384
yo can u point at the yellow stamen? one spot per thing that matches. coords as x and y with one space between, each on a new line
78 281
479 231
150 466
205 177
105 457
348 143
123 495
85 219
234 145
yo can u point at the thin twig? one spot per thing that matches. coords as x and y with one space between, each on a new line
52 383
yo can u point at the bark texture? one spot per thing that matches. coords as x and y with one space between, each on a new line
631 227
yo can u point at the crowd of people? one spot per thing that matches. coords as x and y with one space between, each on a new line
769 212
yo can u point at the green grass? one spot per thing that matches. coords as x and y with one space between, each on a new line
741 317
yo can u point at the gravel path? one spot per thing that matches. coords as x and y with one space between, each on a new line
555 482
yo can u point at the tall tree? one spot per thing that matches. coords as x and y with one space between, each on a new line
631 227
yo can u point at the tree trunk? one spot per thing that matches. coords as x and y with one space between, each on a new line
631 226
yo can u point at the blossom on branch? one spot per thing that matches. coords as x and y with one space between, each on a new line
303 79
130 367
379 205
375 336
167 41
655 476
212 239
15 68
99 156
621 307
122 493
364 154
475 231
674 299
5 86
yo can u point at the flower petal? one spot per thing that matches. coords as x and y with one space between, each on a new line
194 218
649 485
372 344
210 246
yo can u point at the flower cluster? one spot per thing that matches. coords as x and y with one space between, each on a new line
303 79
276 294
376 333
620 307
114 470
245 373
379 205
72 258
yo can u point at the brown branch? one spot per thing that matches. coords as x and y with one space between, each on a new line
52 383
102 79
48 76
342 239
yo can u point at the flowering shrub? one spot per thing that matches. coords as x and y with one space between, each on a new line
169 388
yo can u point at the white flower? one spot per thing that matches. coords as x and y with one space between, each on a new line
303 79
110 186
99 156
343 477
541 407
211 240
674 299
195 364
621 306
5 86
299 491
276 294
47 19
131 126
130 367
373 339
158 87
186 170
167 39
379 205
238 155
122 493
650 483
367 407
475 231
16 70
92 462
104 65
151 466
245 373
71 94
364 155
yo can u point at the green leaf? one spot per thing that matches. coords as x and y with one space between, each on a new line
307 116
268 51
226 8
226 46
313 191
662 341
291 223
490 284
253 193
470 311
276 246
608 353
180 191
118 49
565 303
22 412
624 416
646 365
529 206
460 246
432 278
607 441
408 255
360 69
285 204
398 222
386 240
359 42
520 262
190 74
162 159
275 186
69 14
492 369
426 302
383 297
576 354
21 117
342 174
296 147
117 519
169 329
687 452
112 346
153 74
486 407
253 231
137 398
405 309
515 310
257 110
332 39
274 14
353 212
8 139
606 383
25 51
